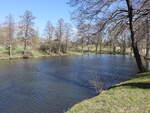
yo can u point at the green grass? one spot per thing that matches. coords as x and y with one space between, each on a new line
2 48
18 53
74 53
36 53
132 96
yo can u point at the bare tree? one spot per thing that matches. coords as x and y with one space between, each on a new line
97 84
134 45
50 34
26 28
105 11
68 33
60 33
10 32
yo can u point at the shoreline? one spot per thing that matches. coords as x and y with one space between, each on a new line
40 56
71 53
124 97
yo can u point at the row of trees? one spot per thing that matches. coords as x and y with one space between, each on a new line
120 21
61 33
55 39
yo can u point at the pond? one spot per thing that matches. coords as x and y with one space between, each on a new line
52 85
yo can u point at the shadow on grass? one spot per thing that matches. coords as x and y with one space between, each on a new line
142 85
138 81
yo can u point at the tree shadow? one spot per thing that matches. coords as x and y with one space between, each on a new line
142 85
142 75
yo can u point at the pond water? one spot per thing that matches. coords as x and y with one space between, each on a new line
52 85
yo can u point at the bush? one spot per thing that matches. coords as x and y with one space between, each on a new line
44 48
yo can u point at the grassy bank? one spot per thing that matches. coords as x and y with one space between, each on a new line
35 54
132 96
17 53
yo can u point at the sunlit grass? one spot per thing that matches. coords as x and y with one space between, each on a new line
18 53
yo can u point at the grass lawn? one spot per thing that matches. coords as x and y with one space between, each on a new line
132 96
18 53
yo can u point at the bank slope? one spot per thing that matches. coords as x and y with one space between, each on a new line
132 96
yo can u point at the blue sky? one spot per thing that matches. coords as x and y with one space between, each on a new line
43 10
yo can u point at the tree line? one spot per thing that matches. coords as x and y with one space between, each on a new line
56 39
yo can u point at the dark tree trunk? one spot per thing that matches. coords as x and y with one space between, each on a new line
113 48
100 46
66 45
96 48
88 44
25 46
59 47
50 47
131 51
124 50
10 50
82 46
97 44
110 47
134 44
59 43
124 47
147 38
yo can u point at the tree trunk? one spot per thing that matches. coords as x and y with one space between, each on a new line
110 47
59 47
96 48
114 49
147 38
25 46
100 46
124 48
131 51
66 45
134 44
50 48
59 43
82 46
88 46
10 50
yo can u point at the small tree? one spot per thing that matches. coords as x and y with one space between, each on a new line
97 84
60 33
49 33
67 35
26 28
10 32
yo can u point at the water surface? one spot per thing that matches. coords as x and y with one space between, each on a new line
52 85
